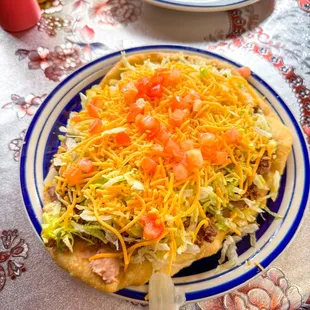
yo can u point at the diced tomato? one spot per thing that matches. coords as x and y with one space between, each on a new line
171 147
75 119
180 172
138 119
157 79
197 105
148 165
85 165
187 145
177 103
142 85
190 97
151 88
150 217
96 126
73 175
179 155
220 158
207 139
171 77
158 149
155 91
96 101
122 138
163 135
214 156
135 109
194 158
175 75
130 92
150 125
244 72
208 153
178 117
92 110
153 228
232 136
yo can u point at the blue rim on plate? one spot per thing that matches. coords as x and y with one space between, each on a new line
197 285
202 6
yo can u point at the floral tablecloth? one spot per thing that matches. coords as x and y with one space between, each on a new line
272 37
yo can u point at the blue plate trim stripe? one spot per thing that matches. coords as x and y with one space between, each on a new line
190 4
228 285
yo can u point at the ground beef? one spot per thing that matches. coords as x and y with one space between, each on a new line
252 192
206 234
51 243
187 222
264 165
256 109
238 204
52 193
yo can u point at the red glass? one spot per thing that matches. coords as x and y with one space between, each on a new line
18 15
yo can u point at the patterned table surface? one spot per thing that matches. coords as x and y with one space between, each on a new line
272 37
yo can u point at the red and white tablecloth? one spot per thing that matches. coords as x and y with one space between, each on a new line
271 37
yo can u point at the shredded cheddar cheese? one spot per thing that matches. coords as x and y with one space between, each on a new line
140 169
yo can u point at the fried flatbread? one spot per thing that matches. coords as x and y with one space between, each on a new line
77 263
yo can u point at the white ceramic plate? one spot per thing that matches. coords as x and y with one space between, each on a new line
202 5
197 281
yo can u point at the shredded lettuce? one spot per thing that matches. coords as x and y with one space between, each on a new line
188 193
50 176
57 161
162 247
83 100
61 138
205 191
275 215
151 65
253 205
135 184
229 243
262 126
50 225
184 243
262 122
126 62
275 186
204 71
146 252
136 230
89 216
113 181
260 182
252 240
263 132
225 72
70 143
91 230
234 192
113 131
214 199
68 241
111 237
248 229
272 145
